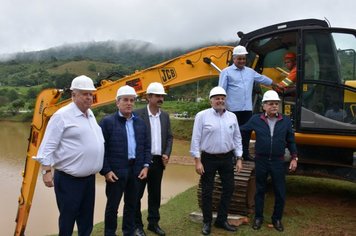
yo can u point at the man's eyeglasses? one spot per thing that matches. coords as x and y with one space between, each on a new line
272 103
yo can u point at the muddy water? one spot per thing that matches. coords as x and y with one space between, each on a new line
44 213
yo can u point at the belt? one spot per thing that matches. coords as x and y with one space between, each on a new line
71 176
219 155
132 161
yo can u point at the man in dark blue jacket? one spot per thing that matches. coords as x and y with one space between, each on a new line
273 134
126 160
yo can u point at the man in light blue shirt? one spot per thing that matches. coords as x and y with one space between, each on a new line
238 81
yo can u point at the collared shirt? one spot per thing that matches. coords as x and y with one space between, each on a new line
271 123
238 84
155 123
72 143
131 141
215 133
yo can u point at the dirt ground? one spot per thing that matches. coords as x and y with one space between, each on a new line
314 206
326 213
182 160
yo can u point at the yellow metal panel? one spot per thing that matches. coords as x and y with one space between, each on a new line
349 96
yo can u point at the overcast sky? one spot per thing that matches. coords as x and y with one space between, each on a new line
31 25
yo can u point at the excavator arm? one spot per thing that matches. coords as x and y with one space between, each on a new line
197 65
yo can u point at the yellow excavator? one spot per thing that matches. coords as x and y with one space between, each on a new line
326 86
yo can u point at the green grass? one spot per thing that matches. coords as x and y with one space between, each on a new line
81 68
182 129
181 147
314 206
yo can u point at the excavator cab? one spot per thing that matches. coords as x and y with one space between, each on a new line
321 103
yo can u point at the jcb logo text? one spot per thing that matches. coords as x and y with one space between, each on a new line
168 74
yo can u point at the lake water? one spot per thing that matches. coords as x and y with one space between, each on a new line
44 214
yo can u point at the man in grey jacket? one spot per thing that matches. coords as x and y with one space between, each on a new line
159 130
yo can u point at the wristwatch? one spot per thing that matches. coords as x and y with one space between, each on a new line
45 171
296 159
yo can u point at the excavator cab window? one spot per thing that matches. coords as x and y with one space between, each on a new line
328 84
266 56
323 99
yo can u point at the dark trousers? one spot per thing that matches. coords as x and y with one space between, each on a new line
126 185
153 182
75 200
224 166
242 118
276 169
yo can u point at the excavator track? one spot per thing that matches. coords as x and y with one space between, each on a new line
242 202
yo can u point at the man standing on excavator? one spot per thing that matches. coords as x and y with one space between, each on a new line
238 81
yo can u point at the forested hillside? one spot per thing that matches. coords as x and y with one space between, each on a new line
26 74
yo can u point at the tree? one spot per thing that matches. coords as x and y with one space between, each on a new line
16 105
3 100
12 95
63 80
32 93
92 67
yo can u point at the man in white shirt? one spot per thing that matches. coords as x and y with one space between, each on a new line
73 145
159 131
216 142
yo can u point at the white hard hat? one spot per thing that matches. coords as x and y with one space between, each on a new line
270 95
155 88
217 91
82 83
239 50
126 90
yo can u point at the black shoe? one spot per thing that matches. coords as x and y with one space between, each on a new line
225 225
257 223
140 232
206 229
277 224
156 229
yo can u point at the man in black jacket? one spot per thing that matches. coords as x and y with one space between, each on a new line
159 132
274 134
